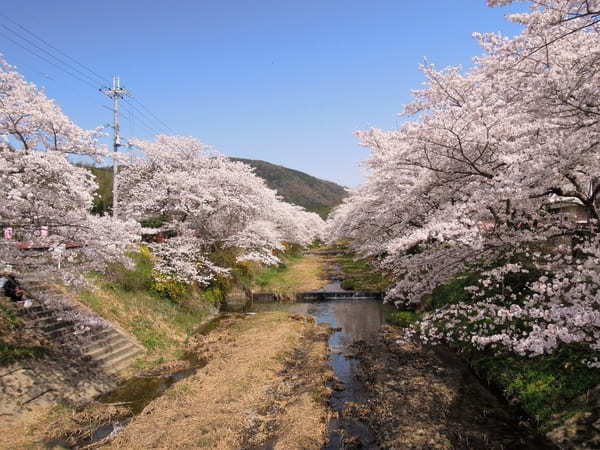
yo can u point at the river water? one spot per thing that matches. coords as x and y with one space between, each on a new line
352 320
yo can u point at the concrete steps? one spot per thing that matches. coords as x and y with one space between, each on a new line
120 358
74 329
102 340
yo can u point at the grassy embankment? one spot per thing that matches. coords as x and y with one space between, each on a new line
360 275
16 343
357 273
551 389
162 315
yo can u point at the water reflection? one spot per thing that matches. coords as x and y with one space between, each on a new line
358 319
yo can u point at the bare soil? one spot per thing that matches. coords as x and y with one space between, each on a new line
424 398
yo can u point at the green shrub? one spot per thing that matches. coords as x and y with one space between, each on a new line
138 279
402 318
168 287
214 295
154 222
454 290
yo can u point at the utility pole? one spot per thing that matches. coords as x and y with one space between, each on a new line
115 93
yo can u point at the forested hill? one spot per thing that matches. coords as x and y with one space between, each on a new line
297 187
314 194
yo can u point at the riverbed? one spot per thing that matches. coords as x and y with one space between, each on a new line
351 320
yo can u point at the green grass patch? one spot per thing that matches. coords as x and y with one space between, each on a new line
402 319
274 274
10 353
544 385
360 275
9 320
14 345
295 274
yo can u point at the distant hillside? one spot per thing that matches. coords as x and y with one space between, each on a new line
104 178
297 187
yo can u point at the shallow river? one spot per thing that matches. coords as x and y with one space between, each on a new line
352 319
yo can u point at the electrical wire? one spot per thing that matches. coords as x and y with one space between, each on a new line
31 33
33 44
140 112
152 114
140 120
145 116
47 60
147 126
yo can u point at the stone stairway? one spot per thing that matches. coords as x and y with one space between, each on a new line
83 355
75 329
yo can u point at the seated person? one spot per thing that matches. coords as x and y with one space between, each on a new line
12 289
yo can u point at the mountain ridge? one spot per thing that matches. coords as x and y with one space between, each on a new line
312 193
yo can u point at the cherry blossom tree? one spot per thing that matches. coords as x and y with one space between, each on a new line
210 203
41 190
468 184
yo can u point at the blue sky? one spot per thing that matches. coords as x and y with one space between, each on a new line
284 81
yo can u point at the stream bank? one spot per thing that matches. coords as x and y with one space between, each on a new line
420 397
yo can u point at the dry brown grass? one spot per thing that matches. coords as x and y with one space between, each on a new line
57 423
265 380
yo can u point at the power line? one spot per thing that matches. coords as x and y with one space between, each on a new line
145 116
47 60
71 67
140 120
83 66
160 121
133 118
131 105
147 126
76 77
